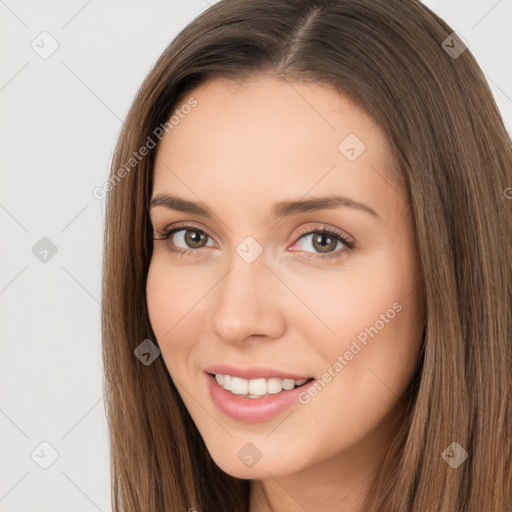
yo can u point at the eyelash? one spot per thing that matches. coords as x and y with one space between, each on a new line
349 245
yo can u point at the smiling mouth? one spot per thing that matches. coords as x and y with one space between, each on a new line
257 388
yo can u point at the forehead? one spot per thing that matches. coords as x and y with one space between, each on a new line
259 109
267 137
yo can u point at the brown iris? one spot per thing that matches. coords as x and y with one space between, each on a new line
319 240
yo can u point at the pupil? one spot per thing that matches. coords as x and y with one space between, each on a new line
324 241
196 237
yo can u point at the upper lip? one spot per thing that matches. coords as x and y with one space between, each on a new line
253 372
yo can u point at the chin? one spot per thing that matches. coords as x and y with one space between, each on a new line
248 463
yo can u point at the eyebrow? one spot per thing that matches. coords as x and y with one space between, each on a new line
278 210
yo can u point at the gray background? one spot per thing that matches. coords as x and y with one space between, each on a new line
61 116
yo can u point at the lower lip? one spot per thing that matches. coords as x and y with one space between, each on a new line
252 410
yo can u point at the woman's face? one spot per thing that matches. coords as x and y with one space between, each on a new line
262 293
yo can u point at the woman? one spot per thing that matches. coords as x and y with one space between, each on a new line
307 273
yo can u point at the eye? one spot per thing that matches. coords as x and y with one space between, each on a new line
189 236
323 239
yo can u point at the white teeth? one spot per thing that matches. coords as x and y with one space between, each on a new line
239 386
274 385
256 388
288 384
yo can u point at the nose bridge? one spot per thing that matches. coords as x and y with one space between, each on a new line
245 299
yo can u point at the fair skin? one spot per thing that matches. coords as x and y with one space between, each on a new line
240 150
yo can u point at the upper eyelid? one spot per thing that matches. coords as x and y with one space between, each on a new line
316 227
186 225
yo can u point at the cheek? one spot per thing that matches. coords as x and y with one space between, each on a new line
370 361
168 301
177 308
171 295
379 332
373 311
159 301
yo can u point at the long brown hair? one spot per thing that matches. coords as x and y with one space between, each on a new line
397 61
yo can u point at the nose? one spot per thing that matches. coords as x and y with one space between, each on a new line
247 302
